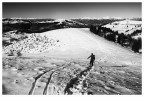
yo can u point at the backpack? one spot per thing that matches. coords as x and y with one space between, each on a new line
93 57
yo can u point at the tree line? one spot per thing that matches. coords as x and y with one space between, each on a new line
124 40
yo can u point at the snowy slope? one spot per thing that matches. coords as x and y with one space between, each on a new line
75 43
79 43
125 26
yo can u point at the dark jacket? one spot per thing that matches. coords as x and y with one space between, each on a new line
92 57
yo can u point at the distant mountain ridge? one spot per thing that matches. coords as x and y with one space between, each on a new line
30 25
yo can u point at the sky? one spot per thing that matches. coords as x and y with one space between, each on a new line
71 10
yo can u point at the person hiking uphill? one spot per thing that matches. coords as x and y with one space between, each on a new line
92 56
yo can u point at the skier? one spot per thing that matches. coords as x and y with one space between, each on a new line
92 56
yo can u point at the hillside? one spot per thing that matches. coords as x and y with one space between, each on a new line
68 42
127 33
126 26
55 62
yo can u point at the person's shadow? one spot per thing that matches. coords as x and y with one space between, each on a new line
4 90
